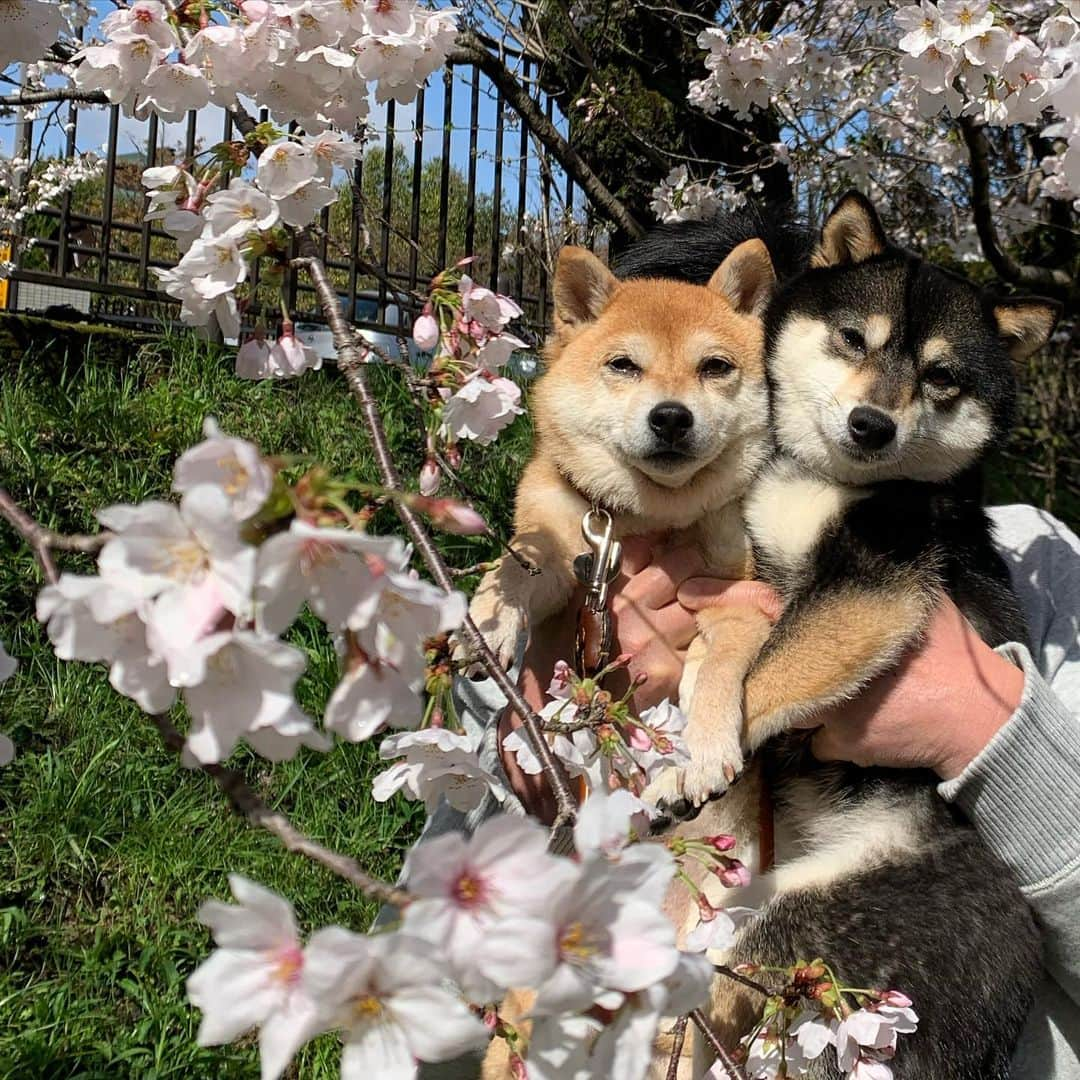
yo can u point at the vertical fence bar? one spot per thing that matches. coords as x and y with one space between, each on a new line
387 204
417 179
355 218
444 169
189 140
470 186
65 202
24 148
523 180
545 210
144 238
110 191
291 291
496 195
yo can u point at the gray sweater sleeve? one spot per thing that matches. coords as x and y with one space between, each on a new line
1022 792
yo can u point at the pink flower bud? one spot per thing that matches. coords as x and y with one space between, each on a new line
426 332
638 737
430 477
894 997
452 516
517 1068
721 842
732 874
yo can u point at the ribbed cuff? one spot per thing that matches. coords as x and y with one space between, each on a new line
1022 790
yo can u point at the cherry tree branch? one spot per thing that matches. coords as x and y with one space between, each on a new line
730 1066
471 50
55 93
351 361
34 535
676 1048
1055 282
246 802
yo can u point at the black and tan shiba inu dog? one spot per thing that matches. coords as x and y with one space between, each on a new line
889 381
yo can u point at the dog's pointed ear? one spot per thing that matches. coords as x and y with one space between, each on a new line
746 277
852 233
1025 323
583 286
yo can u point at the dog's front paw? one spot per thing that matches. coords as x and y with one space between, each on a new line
501 624
716 762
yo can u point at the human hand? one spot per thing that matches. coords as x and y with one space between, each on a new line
937 709
653 603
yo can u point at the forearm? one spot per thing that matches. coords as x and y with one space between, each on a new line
1022 794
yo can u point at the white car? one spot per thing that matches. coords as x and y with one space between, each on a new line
317 336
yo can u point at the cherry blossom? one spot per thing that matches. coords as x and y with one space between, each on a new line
157 547
255 977
873 1028
339 572
466 887
240 208
238 684
482 408
718 931
594 936
372 695
385 996
27 29
234 465
426 332
253 357
624 1048
290 357
438 764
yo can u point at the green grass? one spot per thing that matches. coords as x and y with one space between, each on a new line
107 847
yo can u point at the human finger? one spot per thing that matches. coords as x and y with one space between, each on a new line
658 583
637 553
698 593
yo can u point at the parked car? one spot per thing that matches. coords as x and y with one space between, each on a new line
365 310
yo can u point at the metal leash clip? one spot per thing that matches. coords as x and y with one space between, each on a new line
596 569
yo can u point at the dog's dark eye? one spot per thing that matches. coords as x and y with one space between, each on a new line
623 365
940 378
853 339
713 367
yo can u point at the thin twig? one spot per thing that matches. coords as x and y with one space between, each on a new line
246 802
469 571
1054 281
730 973
730 1066
524 562
352 365
676 1048
32 533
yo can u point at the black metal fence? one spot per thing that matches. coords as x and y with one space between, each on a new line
458 173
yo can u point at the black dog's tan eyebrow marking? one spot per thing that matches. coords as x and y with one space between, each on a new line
877 331
934 349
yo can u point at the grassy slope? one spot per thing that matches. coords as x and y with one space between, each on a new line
106 846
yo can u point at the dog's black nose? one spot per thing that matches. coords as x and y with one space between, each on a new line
671 421
871 429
